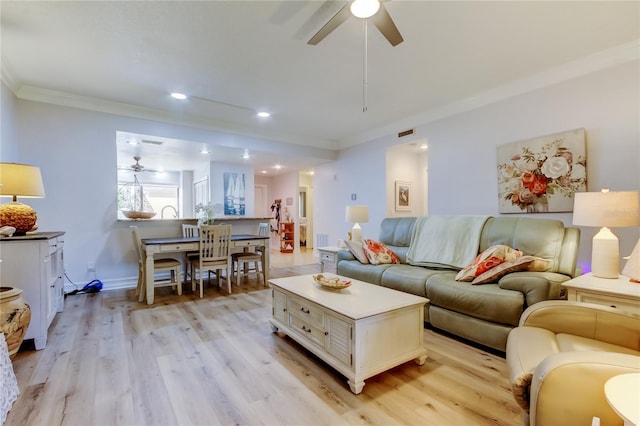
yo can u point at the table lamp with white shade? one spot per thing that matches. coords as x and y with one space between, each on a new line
19 180
607 210
357 215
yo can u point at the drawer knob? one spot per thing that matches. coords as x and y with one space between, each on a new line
308 330
303 310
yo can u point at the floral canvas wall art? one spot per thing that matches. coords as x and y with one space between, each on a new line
541 175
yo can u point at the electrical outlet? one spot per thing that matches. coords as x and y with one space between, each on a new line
91 267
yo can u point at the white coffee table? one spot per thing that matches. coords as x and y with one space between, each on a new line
360 331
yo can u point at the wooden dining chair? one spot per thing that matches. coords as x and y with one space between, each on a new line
241 262
159 265
215 244
189 231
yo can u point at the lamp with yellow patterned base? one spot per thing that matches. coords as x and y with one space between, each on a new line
19 180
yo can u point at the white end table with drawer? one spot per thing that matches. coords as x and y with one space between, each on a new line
329 259
615 292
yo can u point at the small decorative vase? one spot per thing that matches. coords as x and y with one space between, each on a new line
15 315
540 206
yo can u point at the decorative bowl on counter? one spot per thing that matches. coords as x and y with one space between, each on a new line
130 214
334 283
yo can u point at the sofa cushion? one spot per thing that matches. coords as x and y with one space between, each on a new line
407 278
524 263
397 231
487 302
364 272
571 343
358 251
488 259
535 237
378 253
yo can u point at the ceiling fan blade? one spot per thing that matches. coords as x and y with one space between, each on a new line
382 20
342 15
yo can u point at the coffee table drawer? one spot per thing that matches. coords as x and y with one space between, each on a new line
314 334
306 311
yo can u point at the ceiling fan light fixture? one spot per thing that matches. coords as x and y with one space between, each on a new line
179 96
364 8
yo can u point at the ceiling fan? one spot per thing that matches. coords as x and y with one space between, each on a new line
137 168
366 9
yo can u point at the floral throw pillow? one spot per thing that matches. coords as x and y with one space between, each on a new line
524 263
488 259
378 253
357 251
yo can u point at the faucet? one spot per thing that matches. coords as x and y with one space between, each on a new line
175 212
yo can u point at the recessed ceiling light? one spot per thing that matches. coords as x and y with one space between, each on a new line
204 150
277 166
424 146
179 96
264 114
263 172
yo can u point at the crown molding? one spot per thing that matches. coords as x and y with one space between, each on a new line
7 75
56 97
609 58
596 62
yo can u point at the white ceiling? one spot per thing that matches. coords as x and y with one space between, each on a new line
238 57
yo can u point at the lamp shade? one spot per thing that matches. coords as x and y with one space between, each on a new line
357 214
20 180
606 209
610 209
24 181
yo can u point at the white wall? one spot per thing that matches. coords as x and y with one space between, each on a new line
286 186
8 139
76 152
406 165
462 153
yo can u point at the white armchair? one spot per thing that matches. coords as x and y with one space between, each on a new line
561 355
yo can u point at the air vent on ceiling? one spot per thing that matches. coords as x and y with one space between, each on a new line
406 133
152 142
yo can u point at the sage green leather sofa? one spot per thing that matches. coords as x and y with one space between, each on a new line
481 313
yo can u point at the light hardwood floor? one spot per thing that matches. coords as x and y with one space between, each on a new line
189 361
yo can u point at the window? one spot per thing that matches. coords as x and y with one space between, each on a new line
162 199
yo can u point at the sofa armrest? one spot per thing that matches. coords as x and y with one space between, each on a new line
568 388
588 320
345 255
536 286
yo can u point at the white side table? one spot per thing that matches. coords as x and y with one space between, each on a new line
329 259
623 393
617 293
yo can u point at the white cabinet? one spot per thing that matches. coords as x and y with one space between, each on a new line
329 259
35 264
617 293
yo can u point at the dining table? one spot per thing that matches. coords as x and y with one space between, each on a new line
156 246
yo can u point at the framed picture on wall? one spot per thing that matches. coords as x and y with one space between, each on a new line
403 196
541 175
